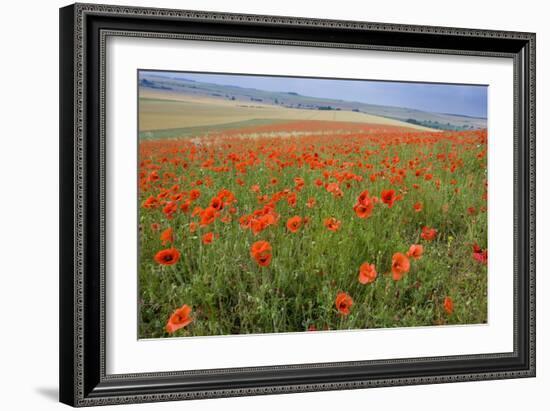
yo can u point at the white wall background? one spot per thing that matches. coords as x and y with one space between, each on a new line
29 204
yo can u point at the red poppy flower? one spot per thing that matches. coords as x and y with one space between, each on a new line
448 305
154 176
151 202
367 273
364 197
194 194
260 251
216 203
257 225
185 206
400 265
334 189
364 206
415 251
294 223
208 238
179 319
428 233
170 208
343 303
177 197
167 236
388 197
291 199
299 183
169 256
208 216
363 210
480 254
310 202
417 207
226 196
332 224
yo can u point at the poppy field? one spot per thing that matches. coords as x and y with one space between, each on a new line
311 226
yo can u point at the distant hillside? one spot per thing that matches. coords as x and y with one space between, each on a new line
290 99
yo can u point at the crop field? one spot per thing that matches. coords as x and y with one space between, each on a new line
310 225
170 111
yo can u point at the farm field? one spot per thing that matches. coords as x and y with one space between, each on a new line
307 224
162 111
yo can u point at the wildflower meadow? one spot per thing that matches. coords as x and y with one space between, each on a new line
306 226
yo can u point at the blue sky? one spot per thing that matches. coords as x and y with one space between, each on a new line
470 100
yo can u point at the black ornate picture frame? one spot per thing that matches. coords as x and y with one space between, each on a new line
83 32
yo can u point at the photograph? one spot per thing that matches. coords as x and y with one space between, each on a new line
280 204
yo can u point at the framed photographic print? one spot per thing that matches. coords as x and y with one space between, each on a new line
261 204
